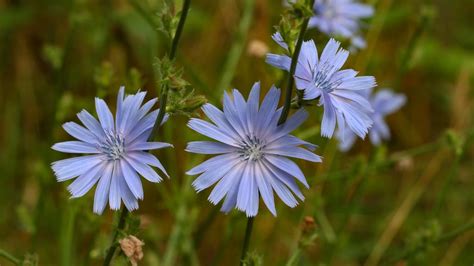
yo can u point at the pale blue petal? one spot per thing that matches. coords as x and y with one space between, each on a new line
290 140
75 147
218 117
147 158
287 166
252 107
358 83
241 107
279 40
232 115
328 124
280 189
127 196
101 196
213 163
227 183
279 61
105 116
296 152
146 146
72 167
212 175
248 192
386 102
209 147
268 107
353 96
144 125
144 170
91 123
80 133
132 179
114 194
86 181
211 131
265 189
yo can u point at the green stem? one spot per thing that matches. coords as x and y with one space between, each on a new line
294 62
173 50
120 226
9 257
248 233
237 47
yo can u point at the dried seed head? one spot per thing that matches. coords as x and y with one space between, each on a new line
132 248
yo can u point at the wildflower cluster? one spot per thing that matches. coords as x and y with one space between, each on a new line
251 146
251 139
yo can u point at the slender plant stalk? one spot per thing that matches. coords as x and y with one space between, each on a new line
237 46
9 257
294 61
248 233
172 55
120 226
283 117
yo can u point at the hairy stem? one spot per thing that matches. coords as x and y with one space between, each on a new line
172 55
113 245
294 62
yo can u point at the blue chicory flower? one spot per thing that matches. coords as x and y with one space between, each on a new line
251 153
341 18
384 102
337 90
118 152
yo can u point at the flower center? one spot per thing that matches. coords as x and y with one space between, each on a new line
113 145
323 77
322 81
252 149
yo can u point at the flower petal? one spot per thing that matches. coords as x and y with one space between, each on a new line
132 179
209 147
75 147
105 116
86 181
101 196
80 133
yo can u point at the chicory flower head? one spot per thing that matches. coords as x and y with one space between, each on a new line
118 152
337 90
384 102
341 18
251 151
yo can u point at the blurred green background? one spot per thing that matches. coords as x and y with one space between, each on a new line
409 202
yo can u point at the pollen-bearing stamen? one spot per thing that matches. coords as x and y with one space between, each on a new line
252 149
113 145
